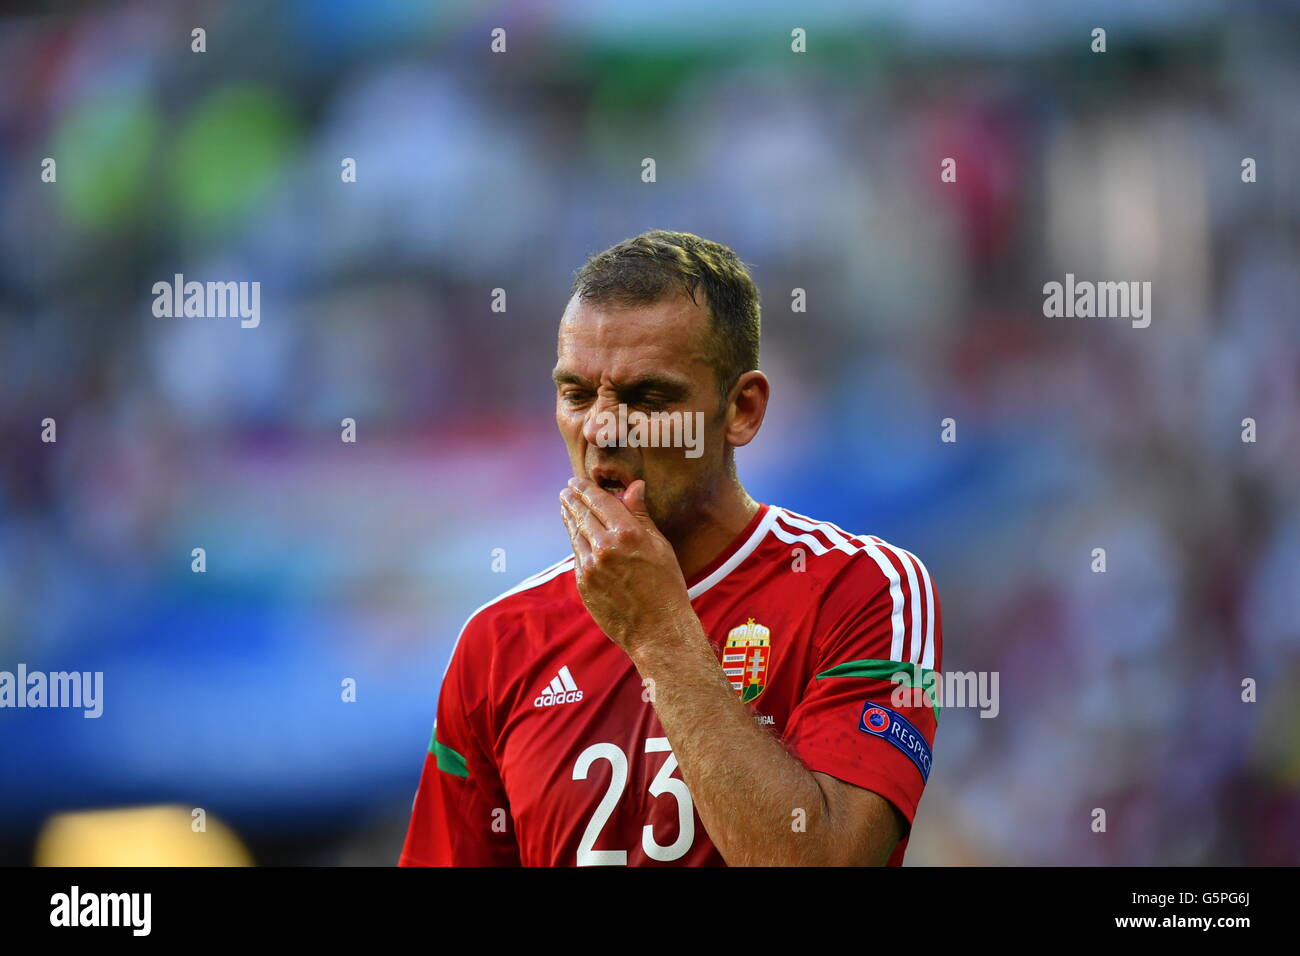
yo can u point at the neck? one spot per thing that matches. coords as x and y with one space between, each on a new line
715 525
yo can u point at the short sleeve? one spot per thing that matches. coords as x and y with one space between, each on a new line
866 716
460 816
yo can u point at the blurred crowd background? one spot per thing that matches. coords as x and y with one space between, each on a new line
475 171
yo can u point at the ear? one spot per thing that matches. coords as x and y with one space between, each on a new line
746 407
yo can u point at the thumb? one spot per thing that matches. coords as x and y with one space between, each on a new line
634 501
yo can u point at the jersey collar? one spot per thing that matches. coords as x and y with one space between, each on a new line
732 555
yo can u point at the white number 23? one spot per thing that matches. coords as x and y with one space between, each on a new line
664 782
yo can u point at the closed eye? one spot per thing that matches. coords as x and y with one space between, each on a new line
649 404
648 400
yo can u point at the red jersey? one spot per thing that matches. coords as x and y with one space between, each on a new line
547 751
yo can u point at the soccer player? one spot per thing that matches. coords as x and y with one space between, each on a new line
706 680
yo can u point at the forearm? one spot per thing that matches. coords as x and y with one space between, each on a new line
746 786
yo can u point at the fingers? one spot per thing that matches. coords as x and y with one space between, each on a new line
607 509
584 519
634 500
581 546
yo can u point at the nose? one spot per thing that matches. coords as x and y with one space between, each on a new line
601 419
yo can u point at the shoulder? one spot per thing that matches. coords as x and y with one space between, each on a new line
853 562
544 593
867 585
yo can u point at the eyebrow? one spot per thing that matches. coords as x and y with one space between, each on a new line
670 387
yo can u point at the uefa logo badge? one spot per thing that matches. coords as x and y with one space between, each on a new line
875 720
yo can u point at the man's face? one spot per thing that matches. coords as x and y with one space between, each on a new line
653 358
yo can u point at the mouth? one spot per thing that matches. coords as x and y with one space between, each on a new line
613 480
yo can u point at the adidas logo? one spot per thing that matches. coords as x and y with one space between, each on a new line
561 690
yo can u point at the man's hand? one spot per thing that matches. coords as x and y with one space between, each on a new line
626 570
